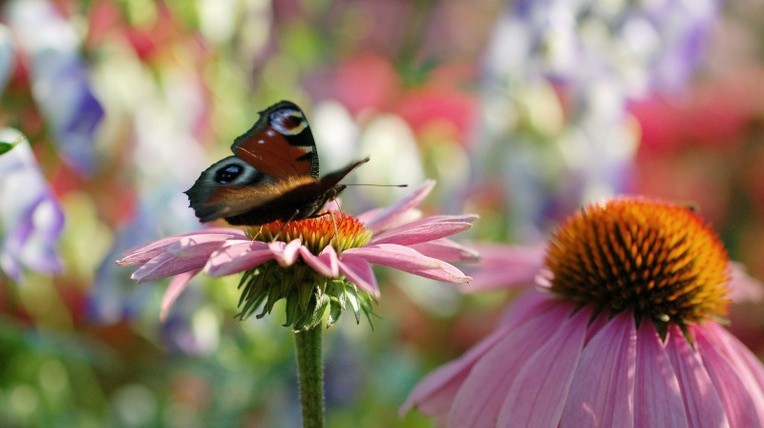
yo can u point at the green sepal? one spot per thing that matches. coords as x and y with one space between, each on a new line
310 298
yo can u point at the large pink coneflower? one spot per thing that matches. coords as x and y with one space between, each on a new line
622 330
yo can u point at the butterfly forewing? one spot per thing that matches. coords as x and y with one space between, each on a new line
280 144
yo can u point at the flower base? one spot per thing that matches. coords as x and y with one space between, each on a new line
310 297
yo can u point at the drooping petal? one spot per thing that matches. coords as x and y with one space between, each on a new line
425 229
237 257
602 391
316 263
738 390
479 399
177 285
434 394
391 215
409 260
329 256
446 250
167 264
197 245
285 254
147 252
502 266
538 394
701 401
359 272
657 396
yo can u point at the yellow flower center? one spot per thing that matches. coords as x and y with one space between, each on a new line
335 228
659 260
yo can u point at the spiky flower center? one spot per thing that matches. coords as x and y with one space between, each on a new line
335 228
659 260
311 298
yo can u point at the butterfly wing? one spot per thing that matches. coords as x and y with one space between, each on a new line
296 198
215 194
234 190
280 144
273 175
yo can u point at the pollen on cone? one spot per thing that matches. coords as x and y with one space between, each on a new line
340 230
660 260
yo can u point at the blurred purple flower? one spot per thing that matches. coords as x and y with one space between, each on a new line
30 216
60 84
555 157
636 43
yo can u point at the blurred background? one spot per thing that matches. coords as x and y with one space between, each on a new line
522 111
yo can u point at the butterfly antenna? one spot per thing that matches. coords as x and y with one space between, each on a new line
375 185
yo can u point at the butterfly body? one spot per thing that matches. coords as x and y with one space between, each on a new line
273 174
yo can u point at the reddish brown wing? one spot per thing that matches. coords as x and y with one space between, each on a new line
280 144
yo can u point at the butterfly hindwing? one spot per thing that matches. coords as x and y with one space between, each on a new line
280 143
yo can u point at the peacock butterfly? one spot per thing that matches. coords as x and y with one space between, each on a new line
273 174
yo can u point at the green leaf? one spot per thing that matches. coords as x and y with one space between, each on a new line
6 146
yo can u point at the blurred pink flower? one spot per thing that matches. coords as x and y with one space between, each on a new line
395 236
599 344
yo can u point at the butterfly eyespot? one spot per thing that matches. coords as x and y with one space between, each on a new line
228 173
288 121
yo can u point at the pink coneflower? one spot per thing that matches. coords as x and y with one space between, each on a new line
331 253
622 331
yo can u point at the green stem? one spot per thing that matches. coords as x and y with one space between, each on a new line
310 369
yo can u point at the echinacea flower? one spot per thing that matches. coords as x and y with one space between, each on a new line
623 330
332 252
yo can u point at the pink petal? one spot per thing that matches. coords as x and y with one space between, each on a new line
147 252
408 260
199 245
358 271
321 265
330 257
425 229
702 404
505 267
538 394
745 358
743 287
285 254
177 285
657 397
391 215
167 264
237 257
479 399
434 394
446 250
602 391
737 388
